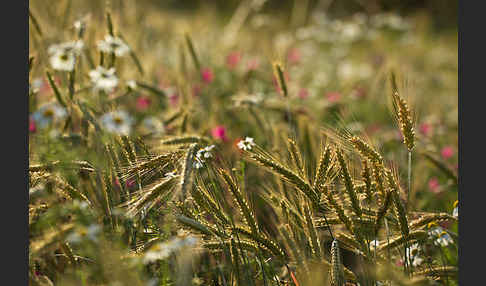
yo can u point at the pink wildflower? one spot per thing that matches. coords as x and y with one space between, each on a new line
207 75
233 59
32 126
143 102
219 132
174 99
303 93
434 185
293 56
425 129
333 96
252 64
447 152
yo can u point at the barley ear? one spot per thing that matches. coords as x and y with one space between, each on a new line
187 169
323 168
337 272
296 156
348 183
365 149
403 114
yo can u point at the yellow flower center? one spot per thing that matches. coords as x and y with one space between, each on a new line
118 120
48 113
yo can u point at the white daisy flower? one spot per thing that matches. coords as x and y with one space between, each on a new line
48 113
90 233
201 155
113 45
63 61
205 152
440 236
163 250
104 79
413 254
198 163
119 122
63 56
246 144
152 125
74 47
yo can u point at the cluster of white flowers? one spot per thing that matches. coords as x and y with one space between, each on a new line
113 45
440 236
63 56
163 250
103 79
202 155
49 113
246 144
119 122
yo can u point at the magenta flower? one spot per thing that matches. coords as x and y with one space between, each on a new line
425 129
293 56
447 152
434 185
207 75
333 96
143 102
233 59
219 132
303 93
252 64
174 99
32 126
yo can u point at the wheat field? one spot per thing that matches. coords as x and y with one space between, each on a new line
196 147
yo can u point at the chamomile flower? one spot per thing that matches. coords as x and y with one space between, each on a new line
119 122
198 163
205 152
81 233
201 155
163 250
48 113
246 144
103 79
63 56
413 254
113 45
439 235
152 125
